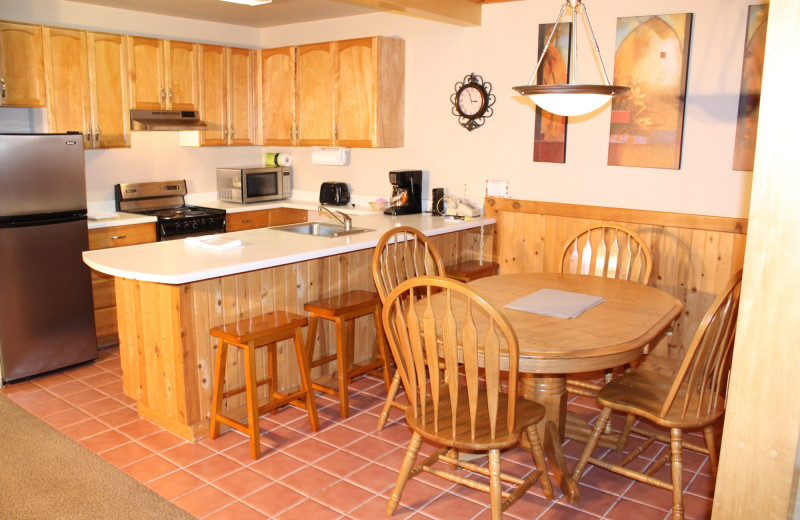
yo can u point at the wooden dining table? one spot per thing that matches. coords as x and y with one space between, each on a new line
619 330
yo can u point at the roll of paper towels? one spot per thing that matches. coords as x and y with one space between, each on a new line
277 159
330 155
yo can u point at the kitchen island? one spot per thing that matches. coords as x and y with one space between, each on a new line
169 294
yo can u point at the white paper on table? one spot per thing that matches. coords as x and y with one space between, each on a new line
217 242
552 302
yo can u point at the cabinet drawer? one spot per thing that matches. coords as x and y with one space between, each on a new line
117 236
282 216
247 220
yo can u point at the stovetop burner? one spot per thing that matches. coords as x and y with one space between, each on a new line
165 200
184 212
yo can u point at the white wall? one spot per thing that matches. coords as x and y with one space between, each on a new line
502 50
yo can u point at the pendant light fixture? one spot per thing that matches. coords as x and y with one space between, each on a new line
571 99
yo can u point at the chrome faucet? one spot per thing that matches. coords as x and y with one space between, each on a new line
345 221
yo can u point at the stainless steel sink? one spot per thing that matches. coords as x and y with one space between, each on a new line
321 229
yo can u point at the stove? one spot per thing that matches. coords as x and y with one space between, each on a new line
166 202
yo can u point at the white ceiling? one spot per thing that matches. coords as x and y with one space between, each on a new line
279 12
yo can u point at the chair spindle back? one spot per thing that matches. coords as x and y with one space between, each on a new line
430 319
701 380
401 254
608 250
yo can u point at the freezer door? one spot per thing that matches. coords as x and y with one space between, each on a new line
41 173
46 311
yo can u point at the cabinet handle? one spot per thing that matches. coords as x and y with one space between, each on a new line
117 237
3 81
163 95
88 135
225 131
246 220
170 96
233 131
96 132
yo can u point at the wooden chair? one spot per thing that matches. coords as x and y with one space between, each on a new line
249 335
342 310
401 254
465 413
611 251
693 398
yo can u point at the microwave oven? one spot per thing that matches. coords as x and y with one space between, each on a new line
254 184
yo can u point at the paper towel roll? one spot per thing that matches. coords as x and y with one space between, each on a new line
277 159
330 155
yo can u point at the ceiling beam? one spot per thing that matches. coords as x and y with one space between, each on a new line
466 13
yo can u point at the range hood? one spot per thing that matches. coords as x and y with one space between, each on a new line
166 120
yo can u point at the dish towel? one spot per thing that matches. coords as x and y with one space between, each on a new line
552 302
217 242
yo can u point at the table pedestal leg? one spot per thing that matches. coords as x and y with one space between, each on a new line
551 392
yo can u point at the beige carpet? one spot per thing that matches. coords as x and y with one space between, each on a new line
46 475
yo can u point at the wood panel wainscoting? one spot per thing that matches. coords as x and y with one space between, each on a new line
167 353
694 256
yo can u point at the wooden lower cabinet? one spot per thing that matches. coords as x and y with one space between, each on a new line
264 218
105 308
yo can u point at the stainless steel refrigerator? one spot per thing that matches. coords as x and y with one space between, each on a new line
46 311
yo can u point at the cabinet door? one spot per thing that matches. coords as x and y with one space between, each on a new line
357 92
241 96
213 85
21 66
146 56
67 77
108 88
182 81
315 95
277 80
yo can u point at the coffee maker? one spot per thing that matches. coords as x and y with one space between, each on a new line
406 193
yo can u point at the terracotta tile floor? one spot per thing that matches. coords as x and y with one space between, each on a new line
344 471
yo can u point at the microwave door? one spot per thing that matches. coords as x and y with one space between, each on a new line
262 184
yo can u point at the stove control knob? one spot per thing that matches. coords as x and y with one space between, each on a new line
194 225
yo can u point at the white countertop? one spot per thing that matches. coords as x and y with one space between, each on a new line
102 214
174 262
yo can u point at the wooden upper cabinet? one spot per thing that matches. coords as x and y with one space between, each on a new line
109 90
164 74
242 96
67 77
21 66
228 95
277 96
86 86
315 94
370 92
350 93
182 76
213 95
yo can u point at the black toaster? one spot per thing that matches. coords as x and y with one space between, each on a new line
334 193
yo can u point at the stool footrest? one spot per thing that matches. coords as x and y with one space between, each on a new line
330 383
243 389
322 361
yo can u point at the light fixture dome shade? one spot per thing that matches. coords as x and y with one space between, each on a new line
570 100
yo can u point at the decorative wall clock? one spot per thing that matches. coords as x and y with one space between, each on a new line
472 101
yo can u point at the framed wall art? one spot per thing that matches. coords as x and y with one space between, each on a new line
652 58
550 137
750 91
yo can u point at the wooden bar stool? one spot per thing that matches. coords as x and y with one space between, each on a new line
343 311
250 334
